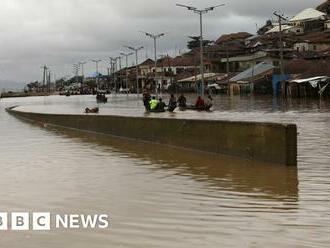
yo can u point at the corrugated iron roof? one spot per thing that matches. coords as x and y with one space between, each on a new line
253 72
314 81
198 77
276 29
308 14
234 36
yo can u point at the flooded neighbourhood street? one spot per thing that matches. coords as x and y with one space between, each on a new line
158 196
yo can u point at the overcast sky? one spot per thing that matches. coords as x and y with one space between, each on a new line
62 32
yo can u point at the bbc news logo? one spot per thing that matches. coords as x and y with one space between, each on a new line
23 221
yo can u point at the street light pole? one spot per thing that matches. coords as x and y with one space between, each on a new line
82 69
155 37
76 71
45 68
201 12
126 55
97 61
136 50
113 62
49 80
119 70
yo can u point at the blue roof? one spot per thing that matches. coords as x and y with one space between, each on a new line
252 72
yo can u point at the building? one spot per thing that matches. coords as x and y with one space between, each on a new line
241 63
309 20
318 42
327 25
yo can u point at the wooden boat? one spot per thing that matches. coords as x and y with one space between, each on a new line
169 109
92 110
156 111
101 98
194 108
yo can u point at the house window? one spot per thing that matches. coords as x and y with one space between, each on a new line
298 49
314 48
304 48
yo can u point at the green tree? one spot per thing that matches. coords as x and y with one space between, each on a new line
194 42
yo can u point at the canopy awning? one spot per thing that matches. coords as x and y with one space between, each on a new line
197 77
322 82
314 81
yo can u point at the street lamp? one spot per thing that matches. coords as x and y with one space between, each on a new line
97 61
126 55
201 12
44 77
82 68
113 64
155 37
76 71
119 69
136 49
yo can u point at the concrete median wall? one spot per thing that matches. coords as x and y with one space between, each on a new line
267 142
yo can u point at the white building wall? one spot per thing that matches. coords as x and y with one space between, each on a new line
327 25
301 47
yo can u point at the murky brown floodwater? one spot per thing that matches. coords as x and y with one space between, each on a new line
163 197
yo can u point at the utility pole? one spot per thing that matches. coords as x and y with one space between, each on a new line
119 70
82 69
113 62
97 61
155 37
280 19
201 12
126 55
76 72
49 81
136 50
44 77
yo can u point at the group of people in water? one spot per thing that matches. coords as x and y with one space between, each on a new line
152 104
101 97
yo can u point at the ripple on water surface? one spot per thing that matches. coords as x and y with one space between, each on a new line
163 197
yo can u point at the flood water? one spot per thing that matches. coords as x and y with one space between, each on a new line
164 197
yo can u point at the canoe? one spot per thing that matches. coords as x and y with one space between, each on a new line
194 108
101 99
156 111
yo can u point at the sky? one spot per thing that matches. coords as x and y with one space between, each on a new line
59 33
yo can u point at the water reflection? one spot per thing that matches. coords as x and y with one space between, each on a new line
164 197
257 179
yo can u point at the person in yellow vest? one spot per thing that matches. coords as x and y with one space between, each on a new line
153 103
